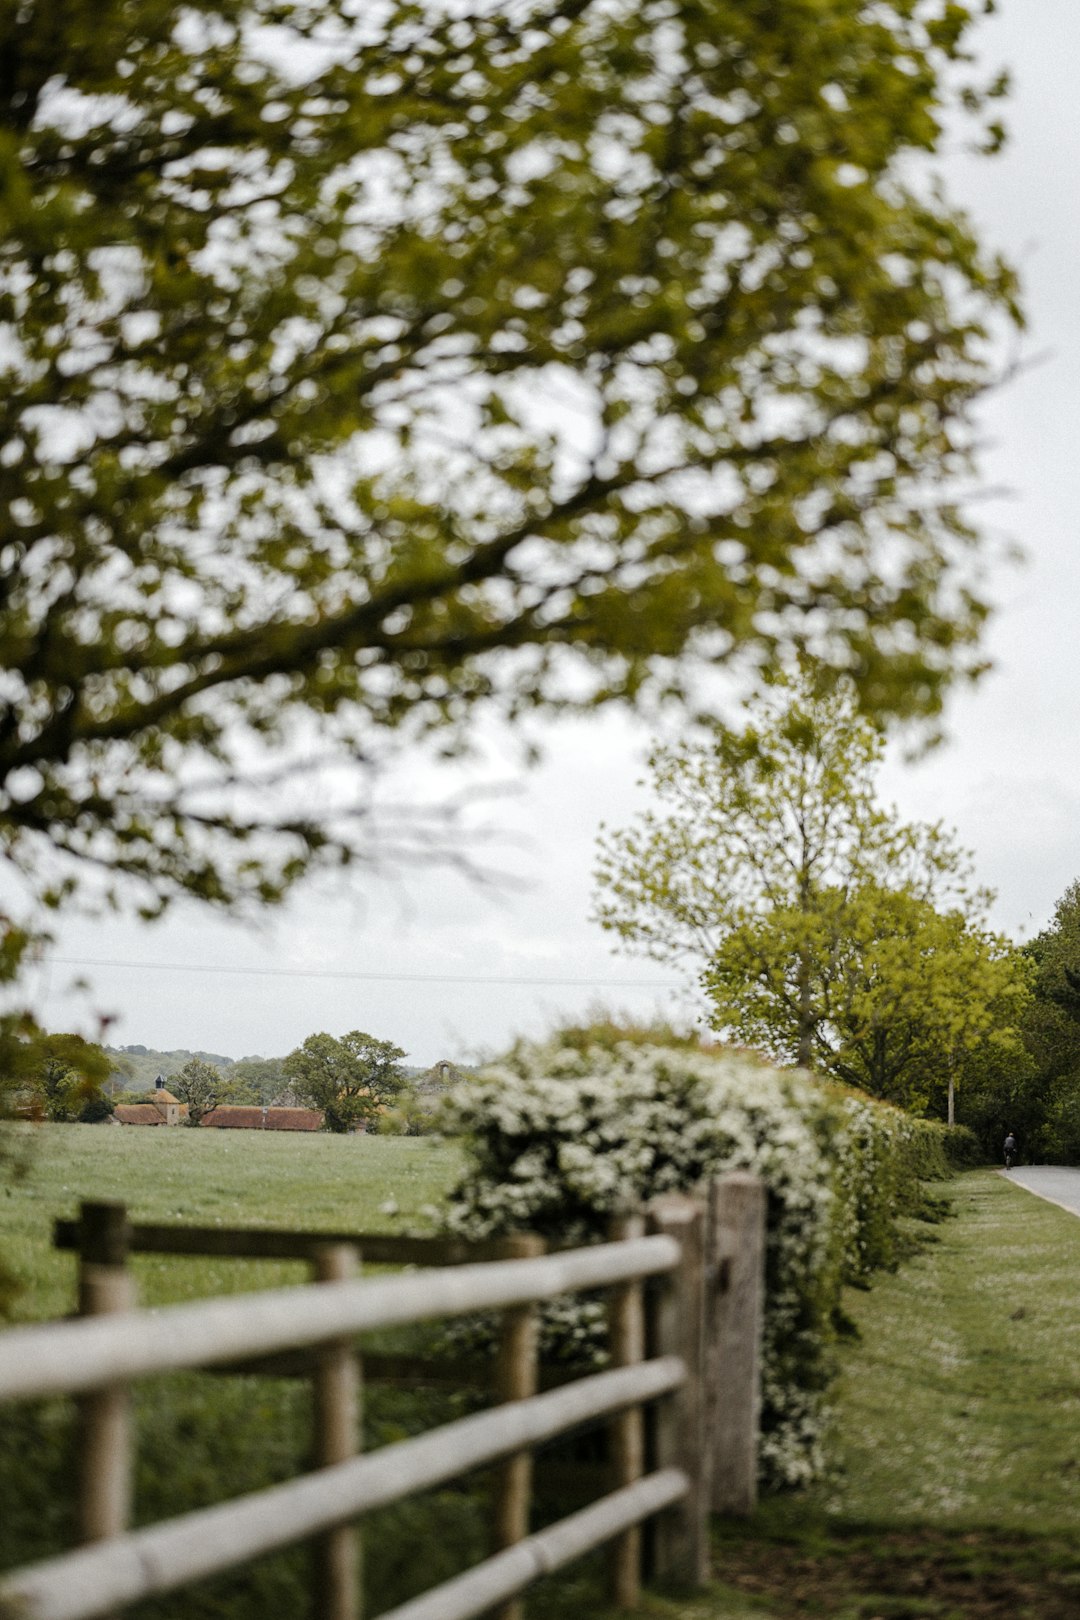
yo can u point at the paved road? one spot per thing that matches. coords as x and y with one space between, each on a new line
1051 1181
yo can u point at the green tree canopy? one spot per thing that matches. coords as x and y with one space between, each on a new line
1055 951
1052 1027
199 1084
778 819
256 1079
825 930
349 1078
67 1077
895 996
364 365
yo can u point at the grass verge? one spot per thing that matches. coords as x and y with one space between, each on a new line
954 1483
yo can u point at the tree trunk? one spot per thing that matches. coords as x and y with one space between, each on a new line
806 1015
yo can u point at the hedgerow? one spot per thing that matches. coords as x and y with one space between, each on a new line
560 1138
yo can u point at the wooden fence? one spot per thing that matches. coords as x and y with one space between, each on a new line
686 1347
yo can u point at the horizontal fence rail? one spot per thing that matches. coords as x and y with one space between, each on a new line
686 1348
148 1563
75 1356
281 1243
510 1572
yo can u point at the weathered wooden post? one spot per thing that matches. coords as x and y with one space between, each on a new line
337 1392
516 1380
734 1314
105 1439
681 1544
626 1318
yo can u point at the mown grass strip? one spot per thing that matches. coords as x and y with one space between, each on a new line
960 1402
954 1482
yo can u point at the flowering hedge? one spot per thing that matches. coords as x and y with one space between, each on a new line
560 1139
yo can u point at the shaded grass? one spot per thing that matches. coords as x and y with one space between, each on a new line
954 1482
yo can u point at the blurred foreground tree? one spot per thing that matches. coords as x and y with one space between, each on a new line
350 1079
364 366
826 931
68 1078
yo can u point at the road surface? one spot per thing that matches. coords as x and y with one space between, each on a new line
1054 1182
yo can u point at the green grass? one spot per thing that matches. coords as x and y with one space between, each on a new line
954 1480
236 1178
204 1438
953 1491
960 1404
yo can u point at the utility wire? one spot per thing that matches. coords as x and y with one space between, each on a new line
395 978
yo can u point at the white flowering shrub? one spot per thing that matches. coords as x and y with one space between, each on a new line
560 1139
882 1156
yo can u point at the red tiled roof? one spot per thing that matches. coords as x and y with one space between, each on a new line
139 1114
294 1119
232 1117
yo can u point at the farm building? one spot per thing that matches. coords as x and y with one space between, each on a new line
160 1108
235 1118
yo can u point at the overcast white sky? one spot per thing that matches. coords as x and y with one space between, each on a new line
425 961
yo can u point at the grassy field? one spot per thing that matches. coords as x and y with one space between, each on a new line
203 1438
248 1178
953 1491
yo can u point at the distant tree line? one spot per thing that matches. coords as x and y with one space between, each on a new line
354 1080
1038 1096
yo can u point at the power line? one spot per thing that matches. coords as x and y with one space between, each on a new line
391 978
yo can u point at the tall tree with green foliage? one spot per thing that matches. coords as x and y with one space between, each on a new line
825 931
1052 1028
351 1079
365 366
68 1078
260 1079
774 825
200 1085
873 986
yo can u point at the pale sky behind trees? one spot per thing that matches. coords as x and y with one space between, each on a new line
1008 778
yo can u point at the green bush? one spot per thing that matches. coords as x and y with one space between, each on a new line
562 1137
96 1109
408 1115
962 1148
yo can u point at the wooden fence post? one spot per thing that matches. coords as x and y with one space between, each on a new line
681 1545
105 1439
626 1317
516 1380
733 1338
337 1391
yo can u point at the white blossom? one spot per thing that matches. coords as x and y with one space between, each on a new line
561 1140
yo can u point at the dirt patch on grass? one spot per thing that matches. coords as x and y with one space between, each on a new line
919 1574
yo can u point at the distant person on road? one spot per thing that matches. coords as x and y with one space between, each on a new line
1010 1151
